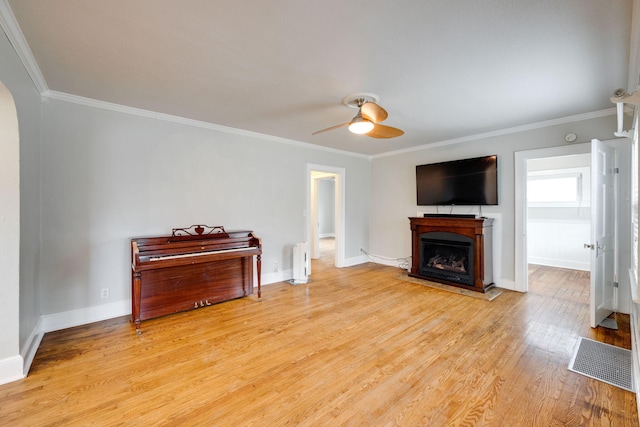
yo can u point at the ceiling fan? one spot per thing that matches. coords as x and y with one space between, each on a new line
368 119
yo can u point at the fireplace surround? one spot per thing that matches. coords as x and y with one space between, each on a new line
453 250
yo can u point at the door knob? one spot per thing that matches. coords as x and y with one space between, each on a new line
589 246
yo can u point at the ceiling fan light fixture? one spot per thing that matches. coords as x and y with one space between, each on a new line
367 120
360 125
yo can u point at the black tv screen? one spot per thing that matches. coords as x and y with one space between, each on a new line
459 182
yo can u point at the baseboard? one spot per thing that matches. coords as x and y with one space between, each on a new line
275 277
389 262
11 369
507 284
560 263
361 259
82 316
28 351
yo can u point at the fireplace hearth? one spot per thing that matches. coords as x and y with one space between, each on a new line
453 250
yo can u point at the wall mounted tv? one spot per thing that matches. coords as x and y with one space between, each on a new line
460 182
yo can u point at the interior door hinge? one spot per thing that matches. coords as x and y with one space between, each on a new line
616 170
615 284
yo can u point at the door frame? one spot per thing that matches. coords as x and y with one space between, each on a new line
521 157
339 202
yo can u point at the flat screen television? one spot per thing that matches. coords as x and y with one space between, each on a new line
460 182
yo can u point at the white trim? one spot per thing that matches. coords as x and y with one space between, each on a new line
14 33
28 352
507 131
506 284
83 316
276 277
560 263
558 221
360 259
383 261
11 369
65 97
61 96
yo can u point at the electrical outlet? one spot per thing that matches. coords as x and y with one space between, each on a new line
104 293
275 266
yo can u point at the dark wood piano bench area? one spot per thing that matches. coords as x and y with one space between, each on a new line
194 267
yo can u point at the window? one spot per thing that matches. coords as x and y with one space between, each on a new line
554 188
559 188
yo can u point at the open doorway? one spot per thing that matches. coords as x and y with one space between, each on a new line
558 226
326 207
14 365
536 235
326 218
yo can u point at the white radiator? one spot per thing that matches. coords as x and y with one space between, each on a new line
300 263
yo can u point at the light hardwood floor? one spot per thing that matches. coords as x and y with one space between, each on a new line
355 346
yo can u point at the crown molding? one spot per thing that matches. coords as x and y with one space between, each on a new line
12 29
507 131
75 99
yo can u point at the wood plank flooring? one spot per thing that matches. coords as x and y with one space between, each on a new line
355 346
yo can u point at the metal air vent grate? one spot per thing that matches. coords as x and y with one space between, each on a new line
603 362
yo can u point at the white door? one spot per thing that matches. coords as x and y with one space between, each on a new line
602 231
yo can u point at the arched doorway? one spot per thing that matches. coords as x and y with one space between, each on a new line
11 363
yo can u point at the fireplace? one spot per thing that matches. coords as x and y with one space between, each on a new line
453 250
447 256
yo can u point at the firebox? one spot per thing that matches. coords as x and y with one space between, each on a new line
447 256
453 250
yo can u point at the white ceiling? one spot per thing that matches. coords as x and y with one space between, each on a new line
443 69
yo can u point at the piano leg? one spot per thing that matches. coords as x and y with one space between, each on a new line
135 298
259 271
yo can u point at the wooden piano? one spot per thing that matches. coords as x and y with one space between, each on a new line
194 267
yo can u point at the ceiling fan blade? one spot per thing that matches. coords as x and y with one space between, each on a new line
382 131
331 128
373 112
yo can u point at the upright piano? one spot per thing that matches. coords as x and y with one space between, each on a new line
194 267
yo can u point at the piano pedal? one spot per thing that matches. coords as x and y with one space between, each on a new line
195 304
207 302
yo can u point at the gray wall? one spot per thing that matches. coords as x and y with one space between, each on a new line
109 176
394 195
326 207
